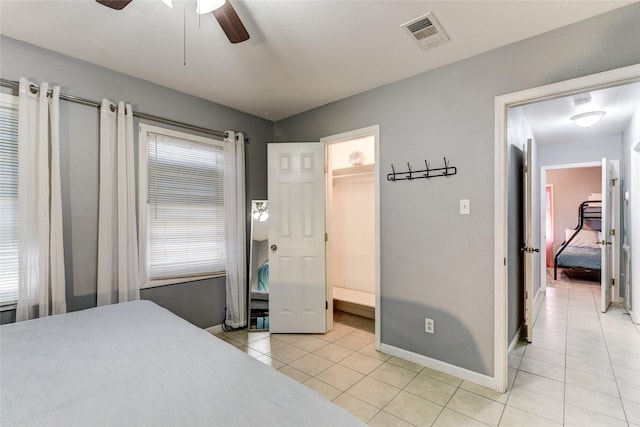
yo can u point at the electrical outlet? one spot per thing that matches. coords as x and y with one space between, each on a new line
429 326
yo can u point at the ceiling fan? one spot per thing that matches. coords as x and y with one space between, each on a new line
223 11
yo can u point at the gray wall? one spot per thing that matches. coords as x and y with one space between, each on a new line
585 151
200 302
436 263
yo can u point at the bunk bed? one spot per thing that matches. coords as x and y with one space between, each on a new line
581 248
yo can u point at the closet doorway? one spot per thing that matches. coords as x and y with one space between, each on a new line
352 223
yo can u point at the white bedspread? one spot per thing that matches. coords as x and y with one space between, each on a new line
137 364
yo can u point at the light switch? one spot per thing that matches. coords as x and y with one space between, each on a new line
464 207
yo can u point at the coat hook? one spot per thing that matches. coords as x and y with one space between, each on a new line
392 176
410 172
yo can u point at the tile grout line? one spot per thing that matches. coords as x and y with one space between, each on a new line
615 377
566 346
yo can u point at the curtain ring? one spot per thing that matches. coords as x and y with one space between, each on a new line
34 89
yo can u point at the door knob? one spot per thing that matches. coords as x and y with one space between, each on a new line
274 248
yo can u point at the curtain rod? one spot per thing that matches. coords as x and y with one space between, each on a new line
90 103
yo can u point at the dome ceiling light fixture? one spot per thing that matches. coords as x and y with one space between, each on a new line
585 119
588 119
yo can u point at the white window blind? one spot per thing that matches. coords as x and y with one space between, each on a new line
185 207
8 199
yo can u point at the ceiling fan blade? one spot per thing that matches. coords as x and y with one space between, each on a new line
115 4
231 23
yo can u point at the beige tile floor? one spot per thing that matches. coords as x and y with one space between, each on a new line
582 369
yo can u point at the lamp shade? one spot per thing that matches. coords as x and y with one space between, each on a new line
589 119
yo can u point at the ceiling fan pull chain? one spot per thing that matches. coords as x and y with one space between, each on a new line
184 33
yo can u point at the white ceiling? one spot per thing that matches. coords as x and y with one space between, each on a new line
302 54
551 122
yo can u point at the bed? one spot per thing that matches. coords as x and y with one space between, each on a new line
581 247
137 364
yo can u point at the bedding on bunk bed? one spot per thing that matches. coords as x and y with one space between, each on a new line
579 257
581 247
137 364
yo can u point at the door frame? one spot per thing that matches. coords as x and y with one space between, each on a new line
615 221
616 77
634 206
543 208
373 130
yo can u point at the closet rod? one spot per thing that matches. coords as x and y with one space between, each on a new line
90 103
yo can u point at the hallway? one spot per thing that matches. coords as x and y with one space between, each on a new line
583 366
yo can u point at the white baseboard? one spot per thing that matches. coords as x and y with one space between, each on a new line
438 365
515 339
216 329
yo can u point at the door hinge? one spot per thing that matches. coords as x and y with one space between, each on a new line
326 237
504 260
613 182
526 295
326 305
326 168
613 281
613 231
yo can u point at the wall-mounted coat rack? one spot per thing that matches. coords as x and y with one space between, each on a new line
427 173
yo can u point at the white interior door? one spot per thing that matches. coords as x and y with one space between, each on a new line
607 234
297 285
528 249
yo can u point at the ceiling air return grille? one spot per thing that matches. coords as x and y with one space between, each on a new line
425 31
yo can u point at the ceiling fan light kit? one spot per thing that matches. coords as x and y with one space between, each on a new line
223 11
206 6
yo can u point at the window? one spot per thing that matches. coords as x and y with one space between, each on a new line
181 206
8 199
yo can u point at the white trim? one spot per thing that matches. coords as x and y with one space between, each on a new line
502 103
543 211
438 365
143 267
572 165
515 340
175 280
9 306
615 220
375 131
501 283
634 206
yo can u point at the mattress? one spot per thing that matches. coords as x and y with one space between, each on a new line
580 257
137 364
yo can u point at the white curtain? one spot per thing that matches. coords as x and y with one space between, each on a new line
235 230
41 254
118 278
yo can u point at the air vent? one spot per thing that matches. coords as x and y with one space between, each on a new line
425 31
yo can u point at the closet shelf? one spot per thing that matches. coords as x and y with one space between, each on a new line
355 170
